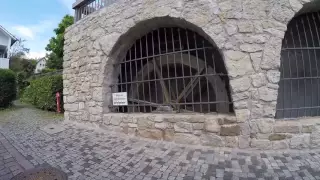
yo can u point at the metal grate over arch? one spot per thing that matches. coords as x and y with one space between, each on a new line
173 70
299 86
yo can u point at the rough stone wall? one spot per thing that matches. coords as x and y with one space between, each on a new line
249 35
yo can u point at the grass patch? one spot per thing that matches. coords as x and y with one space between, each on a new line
9 109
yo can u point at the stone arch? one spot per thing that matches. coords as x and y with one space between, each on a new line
127 39
299 63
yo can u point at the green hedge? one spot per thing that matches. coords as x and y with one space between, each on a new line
8 87
42 92
22 83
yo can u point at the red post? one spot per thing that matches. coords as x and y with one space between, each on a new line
58 102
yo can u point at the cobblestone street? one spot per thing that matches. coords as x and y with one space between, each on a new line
86 154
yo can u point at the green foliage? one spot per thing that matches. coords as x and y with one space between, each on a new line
22 82
48 70
55 46
19 64
7 87
42 92
54 62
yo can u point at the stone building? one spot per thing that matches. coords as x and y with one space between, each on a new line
222 73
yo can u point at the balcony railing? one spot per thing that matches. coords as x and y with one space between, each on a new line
85 7
4 63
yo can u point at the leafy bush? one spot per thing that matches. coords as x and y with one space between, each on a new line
42 92
21 82
7 87
48 70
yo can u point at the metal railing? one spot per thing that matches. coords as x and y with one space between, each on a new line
299 86
173 70
85 7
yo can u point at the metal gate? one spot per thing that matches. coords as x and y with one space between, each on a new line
300 61
173 70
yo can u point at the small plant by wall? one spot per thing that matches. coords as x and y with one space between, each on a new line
41 92
7 87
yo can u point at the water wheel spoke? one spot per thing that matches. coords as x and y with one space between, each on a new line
162 83
188 89
142 102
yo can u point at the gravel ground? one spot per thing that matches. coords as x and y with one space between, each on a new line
85 154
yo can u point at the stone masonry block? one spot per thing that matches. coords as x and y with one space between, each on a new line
183 138
286 127
210 139
183 127
265 125
230 130
261 144
212 125
151 133
300 141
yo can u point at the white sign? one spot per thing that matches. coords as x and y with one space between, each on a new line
120 99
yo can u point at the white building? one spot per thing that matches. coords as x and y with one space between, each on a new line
6 41
41 64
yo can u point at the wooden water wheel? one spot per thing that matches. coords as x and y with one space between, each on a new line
202 85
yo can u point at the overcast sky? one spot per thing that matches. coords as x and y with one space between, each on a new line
34 21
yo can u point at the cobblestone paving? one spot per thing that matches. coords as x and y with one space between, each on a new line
9 166
86 154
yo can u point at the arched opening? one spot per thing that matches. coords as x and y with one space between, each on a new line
172 69
299 86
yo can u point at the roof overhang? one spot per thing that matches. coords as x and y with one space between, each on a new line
13 38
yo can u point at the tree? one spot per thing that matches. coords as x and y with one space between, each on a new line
55 46
23 65
18 62
18 49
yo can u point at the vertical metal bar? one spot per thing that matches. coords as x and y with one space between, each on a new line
168 68
182 68
85 9
197 56
126 73
175 68
131 86
120 75
304 72
188 46
80 11
142 67
290 72
76 15
161 78
154 68
297 67
283 87
88 8
91 7
215 79
136 67
306 38
206 64
149 82
318 37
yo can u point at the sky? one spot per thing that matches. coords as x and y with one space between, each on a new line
34 21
